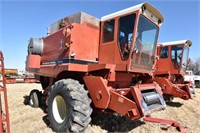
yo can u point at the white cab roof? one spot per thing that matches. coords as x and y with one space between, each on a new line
152 9
177 42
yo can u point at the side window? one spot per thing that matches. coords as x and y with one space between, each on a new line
176 55
173 54
108 31
125 33
164 52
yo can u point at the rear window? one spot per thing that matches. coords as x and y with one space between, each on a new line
108 31
164 52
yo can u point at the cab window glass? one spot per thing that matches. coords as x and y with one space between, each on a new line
164 52
176 55
108 31
125 33
146 41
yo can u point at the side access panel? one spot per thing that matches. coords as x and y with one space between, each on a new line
181 91
105 97
98 90
124 106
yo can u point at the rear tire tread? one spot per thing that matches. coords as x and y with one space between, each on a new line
79 106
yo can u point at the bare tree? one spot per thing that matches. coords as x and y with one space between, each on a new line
195 66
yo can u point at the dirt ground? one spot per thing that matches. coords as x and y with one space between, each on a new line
24 118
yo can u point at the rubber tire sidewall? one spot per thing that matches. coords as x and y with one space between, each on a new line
54 124
76 99
34 95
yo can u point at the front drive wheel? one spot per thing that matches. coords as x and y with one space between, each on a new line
69 106
35 98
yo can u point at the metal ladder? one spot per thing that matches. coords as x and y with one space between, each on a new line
4 117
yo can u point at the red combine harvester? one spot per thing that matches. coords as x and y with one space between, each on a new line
87 64
170 68
4 117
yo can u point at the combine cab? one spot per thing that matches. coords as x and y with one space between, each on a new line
170 67
87 64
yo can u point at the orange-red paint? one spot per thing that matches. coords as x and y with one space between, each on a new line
169 77
4 116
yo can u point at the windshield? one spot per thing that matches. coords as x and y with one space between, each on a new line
145 44
185 59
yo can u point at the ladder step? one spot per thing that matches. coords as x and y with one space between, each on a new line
2 88
4 119
1 81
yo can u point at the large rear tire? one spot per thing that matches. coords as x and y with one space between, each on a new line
69 106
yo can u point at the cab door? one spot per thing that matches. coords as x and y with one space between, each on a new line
107 42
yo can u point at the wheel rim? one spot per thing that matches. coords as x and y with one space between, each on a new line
59 108
31 100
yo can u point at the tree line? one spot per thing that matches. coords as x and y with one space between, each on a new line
195 66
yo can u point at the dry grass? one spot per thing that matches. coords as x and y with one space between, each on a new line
23 118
